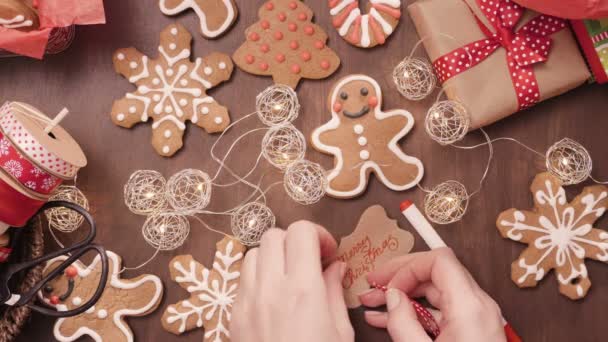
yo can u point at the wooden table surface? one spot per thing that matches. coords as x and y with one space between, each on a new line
83 80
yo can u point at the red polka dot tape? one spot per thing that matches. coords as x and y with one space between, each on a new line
525 47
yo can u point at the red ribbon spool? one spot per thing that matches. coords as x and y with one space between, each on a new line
16 208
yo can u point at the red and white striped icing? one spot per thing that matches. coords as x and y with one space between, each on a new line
346 15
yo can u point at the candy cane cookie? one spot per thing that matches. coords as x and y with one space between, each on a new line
365 30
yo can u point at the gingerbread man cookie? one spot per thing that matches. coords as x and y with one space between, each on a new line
286 45
171 90
106 320
363 139
16 14
215 16
212 292
559 235
367 30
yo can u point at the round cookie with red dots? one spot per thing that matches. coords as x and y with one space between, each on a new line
286 45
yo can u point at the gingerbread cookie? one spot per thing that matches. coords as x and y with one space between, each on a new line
212 292
16 14
376 240
363 139
559 235
215 16
106 320
367 30
286 45
171 90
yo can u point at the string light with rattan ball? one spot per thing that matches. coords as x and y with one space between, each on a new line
166 231
277 105
283 145
447 122
305 182
446 203
250 222
414 78
64 219
144 192
570 161
189 191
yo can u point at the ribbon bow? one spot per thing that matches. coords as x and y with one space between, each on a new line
525 47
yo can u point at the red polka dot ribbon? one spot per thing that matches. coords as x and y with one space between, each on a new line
13 163
525 47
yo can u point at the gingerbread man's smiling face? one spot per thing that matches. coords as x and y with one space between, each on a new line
58 292
355 98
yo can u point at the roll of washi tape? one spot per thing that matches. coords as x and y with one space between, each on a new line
24 171
56 152
16 207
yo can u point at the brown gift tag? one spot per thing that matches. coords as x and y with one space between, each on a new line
376 240
486 89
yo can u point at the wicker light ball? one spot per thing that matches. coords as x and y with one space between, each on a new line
64 219
189 191
305 182
283 145
414 78
447 122
570 161
145 192
166 231
277 105
250 222
446 203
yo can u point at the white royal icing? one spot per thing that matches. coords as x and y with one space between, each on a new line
217 297
368 164
185 4
563 236
117 316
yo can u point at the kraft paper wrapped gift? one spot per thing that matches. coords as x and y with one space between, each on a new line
488 87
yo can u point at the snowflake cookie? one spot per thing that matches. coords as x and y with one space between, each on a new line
560 235
171 90
212 292
105 321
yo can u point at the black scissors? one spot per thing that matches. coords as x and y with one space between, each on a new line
7 297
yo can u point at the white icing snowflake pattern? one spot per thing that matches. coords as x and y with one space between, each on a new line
560 235
212 293
14 168
4 147
171 90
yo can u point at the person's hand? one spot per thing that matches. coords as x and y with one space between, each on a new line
284 295
467 313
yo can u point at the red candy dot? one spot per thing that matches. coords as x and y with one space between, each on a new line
319 44
278 35
253 36
373 101
296 69
305 56
282 16
280 58
292 27
265 24
54 300
337 107
249 59
263 66
309 30
325 64
269 6
71 272
265 48
294 45
293 5
302 16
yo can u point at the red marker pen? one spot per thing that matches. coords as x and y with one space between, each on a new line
433 240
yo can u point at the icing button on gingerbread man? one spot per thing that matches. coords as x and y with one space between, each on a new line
363 139
106 320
